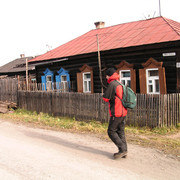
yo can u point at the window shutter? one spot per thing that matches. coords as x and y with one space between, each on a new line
57 82
133 80
52 83
142 79
79 82
92 82
43 81
68 78
68 81
162 80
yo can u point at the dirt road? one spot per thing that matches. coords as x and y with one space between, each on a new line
31 153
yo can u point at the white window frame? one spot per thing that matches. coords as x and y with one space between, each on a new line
153 78
86 80
48 83
48 77
126 79
64 83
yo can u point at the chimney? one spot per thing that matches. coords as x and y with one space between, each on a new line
99 24
22 55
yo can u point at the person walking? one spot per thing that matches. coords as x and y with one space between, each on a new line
116 128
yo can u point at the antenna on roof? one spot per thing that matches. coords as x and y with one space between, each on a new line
149 15
159 7
48 47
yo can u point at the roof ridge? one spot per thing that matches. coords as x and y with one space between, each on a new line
128 23
168 22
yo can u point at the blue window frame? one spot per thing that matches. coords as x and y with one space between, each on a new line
63 80
47 80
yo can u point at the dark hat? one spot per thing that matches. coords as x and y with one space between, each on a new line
110 71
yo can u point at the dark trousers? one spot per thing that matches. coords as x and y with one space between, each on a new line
116 132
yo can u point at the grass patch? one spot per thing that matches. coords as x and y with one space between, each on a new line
164 139
153 131
46 120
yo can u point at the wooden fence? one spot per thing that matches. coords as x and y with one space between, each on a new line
8 90
151 110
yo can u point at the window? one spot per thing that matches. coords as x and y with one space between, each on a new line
127 74
152 76
64 83
85 79
33 80
125 77
48 79
49 82
63 80
87 82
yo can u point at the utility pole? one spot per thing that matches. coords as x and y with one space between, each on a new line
27 74
99 62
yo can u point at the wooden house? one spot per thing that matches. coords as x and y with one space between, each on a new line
17 69
146 54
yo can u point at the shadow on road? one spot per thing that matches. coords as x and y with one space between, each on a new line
66 143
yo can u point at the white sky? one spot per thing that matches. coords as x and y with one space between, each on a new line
31 26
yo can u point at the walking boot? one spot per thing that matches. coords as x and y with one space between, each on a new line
120 155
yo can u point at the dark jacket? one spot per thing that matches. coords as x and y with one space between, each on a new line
113 90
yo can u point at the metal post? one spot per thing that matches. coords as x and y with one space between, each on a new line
159 7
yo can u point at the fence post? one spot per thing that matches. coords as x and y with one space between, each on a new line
159 114
178 108
99 107
165 109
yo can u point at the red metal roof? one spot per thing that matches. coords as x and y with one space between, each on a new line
136 33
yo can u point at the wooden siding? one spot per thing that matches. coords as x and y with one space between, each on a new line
134 55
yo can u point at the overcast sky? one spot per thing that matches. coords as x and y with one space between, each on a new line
32 27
